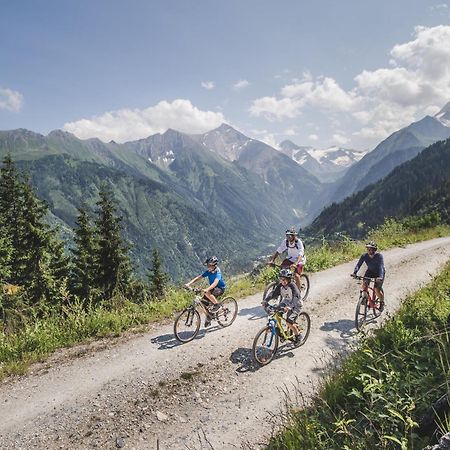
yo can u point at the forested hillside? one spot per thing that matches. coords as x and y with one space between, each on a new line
417 187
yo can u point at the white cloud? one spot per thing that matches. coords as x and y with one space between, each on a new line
340 139
209 85
415 82
290 132
130 124
324 93
241 84
440 6
313 137
11 100
274 109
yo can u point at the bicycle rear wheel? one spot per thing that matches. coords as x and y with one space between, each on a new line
304 325
265 345
269 288
227 312
187 325
361 311
304 286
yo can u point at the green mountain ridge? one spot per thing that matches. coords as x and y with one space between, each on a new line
419 186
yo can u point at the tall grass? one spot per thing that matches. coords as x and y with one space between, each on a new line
378 395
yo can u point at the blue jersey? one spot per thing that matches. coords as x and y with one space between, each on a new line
374 265
217 274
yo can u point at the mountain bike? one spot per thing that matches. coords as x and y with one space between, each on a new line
368 307
304 284
265 344
187 323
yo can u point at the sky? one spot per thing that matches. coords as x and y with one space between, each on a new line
319 73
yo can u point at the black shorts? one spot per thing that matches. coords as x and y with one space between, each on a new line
217 292
370 274
291 316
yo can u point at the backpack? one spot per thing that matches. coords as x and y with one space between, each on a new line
296 245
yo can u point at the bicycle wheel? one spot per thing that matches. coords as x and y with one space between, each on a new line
304 325
227 312
265 345
361 311
304 286
186 325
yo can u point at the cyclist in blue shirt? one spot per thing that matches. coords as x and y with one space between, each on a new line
375 269
216 284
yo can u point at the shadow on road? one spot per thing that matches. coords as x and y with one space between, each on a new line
168 341
244 357
345 326
255 313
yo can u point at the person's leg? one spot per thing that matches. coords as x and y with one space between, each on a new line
298 279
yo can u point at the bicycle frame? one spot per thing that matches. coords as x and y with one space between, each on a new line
275 322
371 295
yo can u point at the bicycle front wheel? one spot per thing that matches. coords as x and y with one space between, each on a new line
361 312
227 312
265 345
304 286
304 325
187 325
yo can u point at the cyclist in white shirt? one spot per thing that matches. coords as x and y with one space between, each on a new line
295 258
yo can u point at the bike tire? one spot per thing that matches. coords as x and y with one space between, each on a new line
227 312
304 323
192 323
304 286
264 353
361 312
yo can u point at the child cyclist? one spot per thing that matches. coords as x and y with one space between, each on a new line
216 285
290 302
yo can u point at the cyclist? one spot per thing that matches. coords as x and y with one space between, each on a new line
290 302
216 285
375 269
295 258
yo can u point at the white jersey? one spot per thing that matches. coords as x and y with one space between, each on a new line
293 250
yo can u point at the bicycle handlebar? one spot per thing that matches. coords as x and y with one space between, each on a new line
358 277
195 290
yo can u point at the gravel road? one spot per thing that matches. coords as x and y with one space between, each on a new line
147 391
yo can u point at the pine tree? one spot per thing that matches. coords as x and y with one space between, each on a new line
83 262
112 262
10 207
158 278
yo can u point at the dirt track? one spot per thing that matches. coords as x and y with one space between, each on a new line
146 390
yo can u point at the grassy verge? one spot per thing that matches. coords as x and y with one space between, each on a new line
39 335
375 399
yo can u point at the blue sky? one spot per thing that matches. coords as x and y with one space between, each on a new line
318 73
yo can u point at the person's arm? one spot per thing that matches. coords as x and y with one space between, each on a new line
358 265
301 252
381 266
272 294
279 251
296 298
194 280
274 257
211 287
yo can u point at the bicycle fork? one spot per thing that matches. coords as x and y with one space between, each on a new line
271 324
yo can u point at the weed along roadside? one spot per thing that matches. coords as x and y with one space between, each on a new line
384 395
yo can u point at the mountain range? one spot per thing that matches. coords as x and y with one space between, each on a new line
190 195
415 188
326 164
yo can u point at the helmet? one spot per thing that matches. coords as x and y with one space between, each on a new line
372 244
291 232
286 273
212 260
